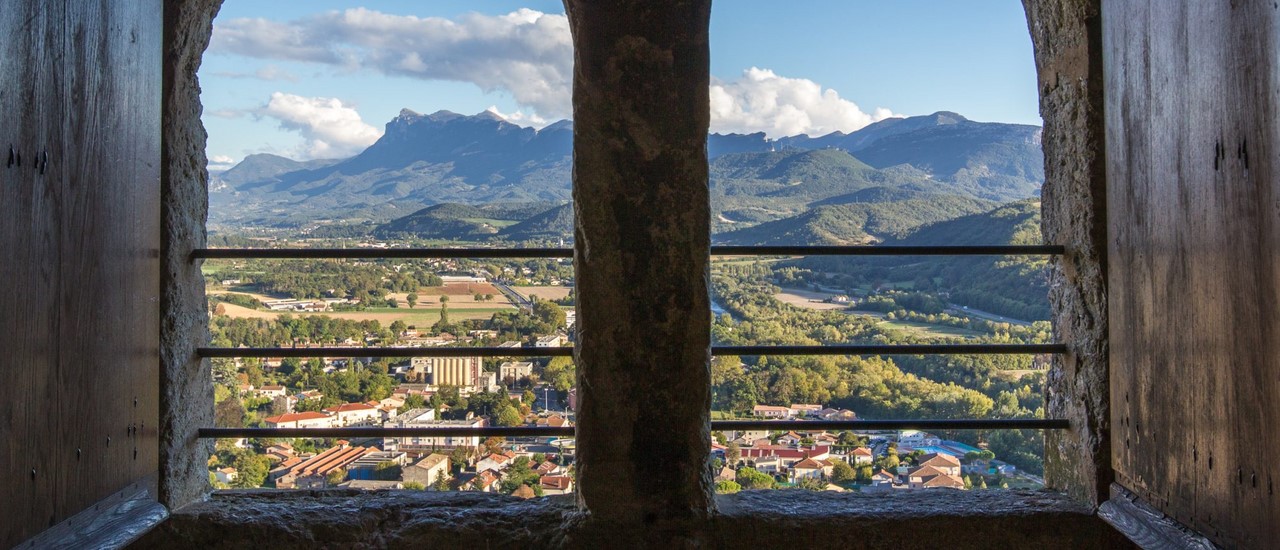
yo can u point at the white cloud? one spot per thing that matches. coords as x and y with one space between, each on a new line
519 118
220 162
330 128
780 106
526 53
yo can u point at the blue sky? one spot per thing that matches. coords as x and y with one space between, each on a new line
319 79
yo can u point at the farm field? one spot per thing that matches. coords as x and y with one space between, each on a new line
543 292
803 298
418 316
926 330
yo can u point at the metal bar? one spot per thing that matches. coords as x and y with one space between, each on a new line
374 253
717 425
923 424
371 432
890 250
562 351
893 349
446 253
567 351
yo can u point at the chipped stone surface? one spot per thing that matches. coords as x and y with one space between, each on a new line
186 389
759 519
1068 50
642 237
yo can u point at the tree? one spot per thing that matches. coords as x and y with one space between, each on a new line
733 453
509 416
444 299
727 487
459 458
842 472
414 485
441 483
393 303
251 470
968 483
749 478
386 470
398 327
811 484
335 477
411 299
229 413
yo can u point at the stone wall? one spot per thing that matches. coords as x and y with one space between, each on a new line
1067 39
186 387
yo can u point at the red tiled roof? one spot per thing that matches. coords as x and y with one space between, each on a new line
560 483
293 417
349 407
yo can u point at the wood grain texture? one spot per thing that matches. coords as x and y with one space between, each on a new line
1194 219
79 235
1146 526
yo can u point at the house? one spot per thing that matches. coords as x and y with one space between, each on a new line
309 419
354 414
553 341
928 477
513 371
811 469
726 474
548 468
494 462
860 456
769 411
884 477
428 470
280 452
790 439
272 391
484 481
556 485
552 421
225 475
837 414
804 409
945 463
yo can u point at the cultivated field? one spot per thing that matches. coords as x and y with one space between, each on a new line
419 316
807 299
543 292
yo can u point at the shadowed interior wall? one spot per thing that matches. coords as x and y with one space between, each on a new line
1194 215
1067 39
79 248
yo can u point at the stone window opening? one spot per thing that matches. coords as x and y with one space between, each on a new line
620 143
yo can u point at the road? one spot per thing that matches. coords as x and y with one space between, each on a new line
514 296
962 310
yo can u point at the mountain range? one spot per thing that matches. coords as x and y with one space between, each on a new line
445 158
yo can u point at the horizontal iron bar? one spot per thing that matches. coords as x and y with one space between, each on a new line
716 425
446 253
372 253
924 424
893 349
566 351
890 250
561 351
358 432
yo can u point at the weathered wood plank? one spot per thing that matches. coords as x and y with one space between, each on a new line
79 238
1194 219
1146 526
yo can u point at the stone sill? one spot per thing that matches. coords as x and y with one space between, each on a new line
760 519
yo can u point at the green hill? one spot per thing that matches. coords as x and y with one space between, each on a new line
444 221
1013 286
556 223
855 223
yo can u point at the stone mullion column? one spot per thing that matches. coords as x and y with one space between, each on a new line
642 239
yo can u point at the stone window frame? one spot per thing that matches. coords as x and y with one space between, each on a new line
1066 38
